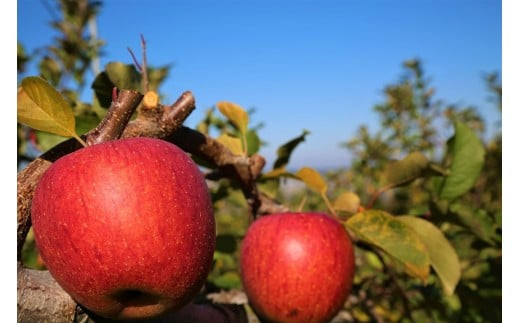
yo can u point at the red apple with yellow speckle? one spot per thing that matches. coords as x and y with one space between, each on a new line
297 267
126 227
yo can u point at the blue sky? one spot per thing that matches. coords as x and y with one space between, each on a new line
316 65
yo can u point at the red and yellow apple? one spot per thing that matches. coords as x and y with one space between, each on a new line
297 267
126 227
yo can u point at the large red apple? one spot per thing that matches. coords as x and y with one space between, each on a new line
297 267
126 227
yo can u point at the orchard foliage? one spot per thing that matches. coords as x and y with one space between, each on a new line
421 197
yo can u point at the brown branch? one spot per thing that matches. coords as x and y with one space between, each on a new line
41 299
118 116
240 168
270 206
161 121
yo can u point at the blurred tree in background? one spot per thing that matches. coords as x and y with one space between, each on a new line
415 127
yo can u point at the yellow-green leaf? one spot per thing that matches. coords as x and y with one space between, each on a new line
312 179
236 114
43 108
275 173
404 171
348 202
400 242
232 143
444 259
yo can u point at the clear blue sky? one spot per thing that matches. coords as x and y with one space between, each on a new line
316 65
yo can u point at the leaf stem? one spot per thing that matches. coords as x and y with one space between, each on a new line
302 203
329 206
376 195
81 141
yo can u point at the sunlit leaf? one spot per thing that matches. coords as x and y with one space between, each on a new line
43 108
284 152
348 202
395 238
253 142
232 143
312 179
406 170
278 172
443 257
236 114
84 123
467 160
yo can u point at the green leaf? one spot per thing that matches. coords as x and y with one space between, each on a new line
468 158
43 108
84 123
312 179
276 173
284 152
443 257
404 171
116 74
157 75
348 202
228 280
253 142
236 114
102 87
477 221
395 238
269 187
50 70
232 143
124 76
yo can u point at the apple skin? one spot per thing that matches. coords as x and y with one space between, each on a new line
126 227
297 267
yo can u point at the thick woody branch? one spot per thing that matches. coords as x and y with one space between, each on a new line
41 299
161 121
116 119
240 168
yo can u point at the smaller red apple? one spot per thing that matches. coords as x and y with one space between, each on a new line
297 267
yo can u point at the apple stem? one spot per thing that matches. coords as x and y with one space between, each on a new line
302 203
